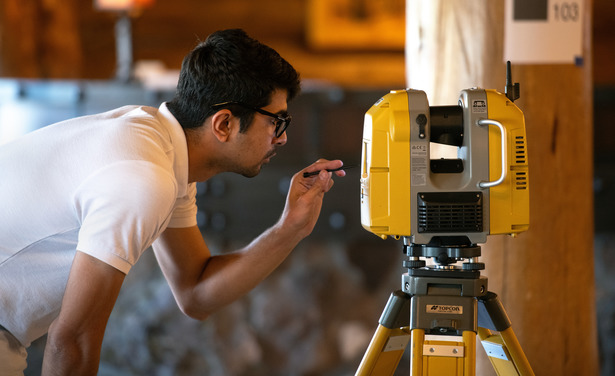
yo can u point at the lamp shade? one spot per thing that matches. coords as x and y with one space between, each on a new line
122 5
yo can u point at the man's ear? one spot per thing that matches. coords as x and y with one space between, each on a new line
222 123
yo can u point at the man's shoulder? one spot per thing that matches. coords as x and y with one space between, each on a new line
141 186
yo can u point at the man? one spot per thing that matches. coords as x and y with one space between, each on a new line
81 200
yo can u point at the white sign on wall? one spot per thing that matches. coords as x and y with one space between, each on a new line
544 31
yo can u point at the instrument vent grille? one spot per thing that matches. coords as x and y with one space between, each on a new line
450 212
520 151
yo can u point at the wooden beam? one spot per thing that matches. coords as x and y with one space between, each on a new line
545 277
40 39
19 44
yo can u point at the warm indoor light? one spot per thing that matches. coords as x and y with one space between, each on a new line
122 5
126 10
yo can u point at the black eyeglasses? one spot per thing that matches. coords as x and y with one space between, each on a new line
281 122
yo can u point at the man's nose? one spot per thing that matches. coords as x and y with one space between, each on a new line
281 140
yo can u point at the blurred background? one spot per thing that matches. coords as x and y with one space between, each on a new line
316 314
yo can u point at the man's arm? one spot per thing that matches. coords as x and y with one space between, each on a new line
202 283
75 337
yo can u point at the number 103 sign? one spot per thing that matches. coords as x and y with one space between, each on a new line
544 31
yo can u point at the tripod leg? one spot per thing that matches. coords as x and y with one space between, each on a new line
384 352
416 362
503 348
469 340
505 352
516 352
450 356
390 339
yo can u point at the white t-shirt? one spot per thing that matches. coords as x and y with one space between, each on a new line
106 185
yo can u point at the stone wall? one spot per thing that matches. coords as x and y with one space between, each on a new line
605 300
314 316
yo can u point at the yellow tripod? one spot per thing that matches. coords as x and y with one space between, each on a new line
440 311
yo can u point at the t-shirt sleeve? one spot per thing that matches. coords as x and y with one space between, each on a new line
184 213
123 208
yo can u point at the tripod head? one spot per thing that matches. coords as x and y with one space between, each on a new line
444 256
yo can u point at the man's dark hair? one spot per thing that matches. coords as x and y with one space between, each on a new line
230 66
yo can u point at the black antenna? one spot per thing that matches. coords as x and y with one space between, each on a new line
511 90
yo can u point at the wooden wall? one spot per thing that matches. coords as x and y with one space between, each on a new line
71 39
603 38
604 108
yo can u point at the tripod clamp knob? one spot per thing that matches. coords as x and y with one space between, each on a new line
473 266
413 264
